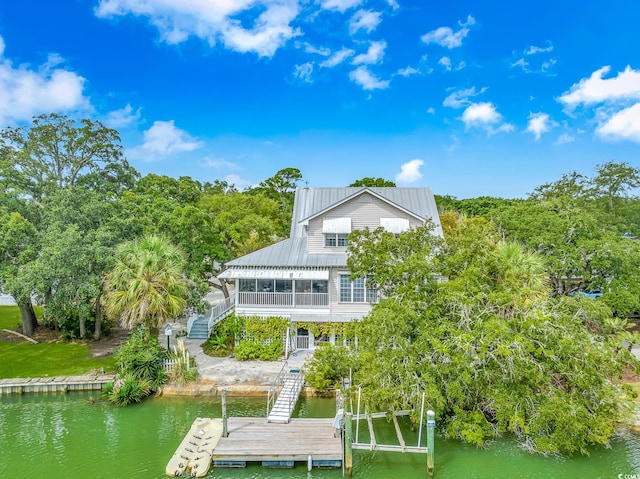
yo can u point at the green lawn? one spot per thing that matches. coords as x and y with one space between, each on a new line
10 316
26 360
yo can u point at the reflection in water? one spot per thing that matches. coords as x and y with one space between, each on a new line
59 436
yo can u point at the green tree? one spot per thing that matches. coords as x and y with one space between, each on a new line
281 188
53 156
146 285
491 349
373 182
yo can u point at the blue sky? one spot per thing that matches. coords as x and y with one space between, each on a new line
470 98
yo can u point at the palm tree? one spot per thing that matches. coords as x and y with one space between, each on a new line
147 285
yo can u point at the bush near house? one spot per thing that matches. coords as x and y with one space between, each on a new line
261 338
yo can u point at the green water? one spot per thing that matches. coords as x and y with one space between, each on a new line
66 436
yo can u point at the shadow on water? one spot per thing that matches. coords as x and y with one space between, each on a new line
78 435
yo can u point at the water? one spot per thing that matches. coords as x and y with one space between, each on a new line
71 436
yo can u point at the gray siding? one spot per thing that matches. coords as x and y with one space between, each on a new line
363 215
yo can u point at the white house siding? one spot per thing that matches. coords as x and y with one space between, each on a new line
357 310
363 215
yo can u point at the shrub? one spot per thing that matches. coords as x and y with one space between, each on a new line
328 366
218 346
139 363
127 390
245 350
183 370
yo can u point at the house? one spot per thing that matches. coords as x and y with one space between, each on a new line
305 278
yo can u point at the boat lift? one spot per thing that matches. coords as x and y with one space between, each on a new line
351 442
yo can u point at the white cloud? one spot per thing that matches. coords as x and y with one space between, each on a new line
446 37
367 80
215 21
337 58
623 125
25 92
237 181
445 62
595 89
522 63
303 72
364 20
539 123
212 162
393 4
460 98
410 171
564 138
164 139
405 72
431 110
373 55
532 50
308 48
340 5
123 117
485 116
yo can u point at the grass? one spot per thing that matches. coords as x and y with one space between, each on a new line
26 360
10 316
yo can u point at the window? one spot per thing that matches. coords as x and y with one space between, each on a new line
247 285
356 291
336 239
311 286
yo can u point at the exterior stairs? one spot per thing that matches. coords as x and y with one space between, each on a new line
291 384
199 327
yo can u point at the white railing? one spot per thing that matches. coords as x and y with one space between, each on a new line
190 321
283 299
302 342
312 299
218 312
278 383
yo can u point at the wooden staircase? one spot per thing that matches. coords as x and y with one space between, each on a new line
286 388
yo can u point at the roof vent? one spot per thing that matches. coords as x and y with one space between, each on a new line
365 198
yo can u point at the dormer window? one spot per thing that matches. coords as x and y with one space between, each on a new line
336 239
336 232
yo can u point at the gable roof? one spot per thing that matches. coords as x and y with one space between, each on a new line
312 202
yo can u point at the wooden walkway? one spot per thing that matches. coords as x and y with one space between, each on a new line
54 384
255 440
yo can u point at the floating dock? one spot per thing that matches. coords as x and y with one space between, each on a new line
54 384
194 452
312 441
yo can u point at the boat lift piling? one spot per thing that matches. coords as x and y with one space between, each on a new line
349 444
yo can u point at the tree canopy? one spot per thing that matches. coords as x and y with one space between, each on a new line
494 352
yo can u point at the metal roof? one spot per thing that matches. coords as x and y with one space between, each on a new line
291 252
310 202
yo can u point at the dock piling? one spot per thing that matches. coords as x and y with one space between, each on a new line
348 450
224 413
431 424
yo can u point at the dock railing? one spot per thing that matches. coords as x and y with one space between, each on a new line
276 387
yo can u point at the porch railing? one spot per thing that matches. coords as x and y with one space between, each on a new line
283 299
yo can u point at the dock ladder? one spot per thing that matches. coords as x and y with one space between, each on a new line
284 394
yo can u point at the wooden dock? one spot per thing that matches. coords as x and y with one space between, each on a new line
253 439
54 384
